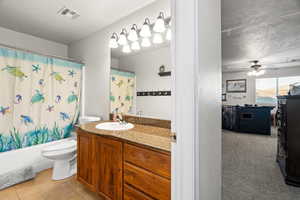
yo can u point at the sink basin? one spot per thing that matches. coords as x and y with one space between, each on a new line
114 126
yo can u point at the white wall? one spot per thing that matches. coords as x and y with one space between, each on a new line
249 96
25 41
114 63
94 51
146 67
196 155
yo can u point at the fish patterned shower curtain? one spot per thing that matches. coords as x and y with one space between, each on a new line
39 99
122 91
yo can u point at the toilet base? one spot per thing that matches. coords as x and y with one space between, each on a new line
63 169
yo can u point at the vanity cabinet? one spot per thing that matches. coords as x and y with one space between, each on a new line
121 170
147 171
85 160
109 168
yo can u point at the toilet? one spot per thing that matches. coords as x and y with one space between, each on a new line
64 156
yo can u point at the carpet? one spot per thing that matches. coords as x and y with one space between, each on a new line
250 171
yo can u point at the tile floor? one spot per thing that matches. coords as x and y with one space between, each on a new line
43 188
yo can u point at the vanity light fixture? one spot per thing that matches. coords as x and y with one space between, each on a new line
135 46
145 31
157 38
146 42
133 36
123 37
149 34
159 25
126 49
113 42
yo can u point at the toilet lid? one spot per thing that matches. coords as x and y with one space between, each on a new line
70 144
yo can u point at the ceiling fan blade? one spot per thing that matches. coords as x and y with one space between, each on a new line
282 62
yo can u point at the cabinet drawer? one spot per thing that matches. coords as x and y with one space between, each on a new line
156 162
147 182
133 194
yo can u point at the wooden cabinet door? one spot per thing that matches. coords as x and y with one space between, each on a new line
109 168
85 153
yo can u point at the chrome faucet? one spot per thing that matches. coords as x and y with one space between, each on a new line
119 119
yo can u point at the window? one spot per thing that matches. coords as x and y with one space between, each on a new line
284 84
267 89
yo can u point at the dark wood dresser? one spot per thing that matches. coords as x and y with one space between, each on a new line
288 147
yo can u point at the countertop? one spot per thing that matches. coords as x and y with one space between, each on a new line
159 138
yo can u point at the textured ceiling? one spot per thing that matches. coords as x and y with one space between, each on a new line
268 30
40 18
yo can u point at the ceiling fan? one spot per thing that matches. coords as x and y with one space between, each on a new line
259 66
256 69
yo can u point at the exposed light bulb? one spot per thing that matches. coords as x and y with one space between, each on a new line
250 73
145 31
169 34
113 42
157 38
259 73
256 73
126 49
146 42
159 25
133 36
123 38
135 46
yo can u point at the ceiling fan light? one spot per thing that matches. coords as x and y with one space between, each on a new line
126 49
146 31
157 38
123 38
113 42
135 46
250 73
260 72
159 25
146 42
133 36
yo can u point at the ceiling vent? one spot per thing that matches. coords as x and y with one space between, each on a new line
67 12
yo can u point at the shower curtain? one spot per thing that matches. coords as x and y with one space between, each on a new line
122 91
39 99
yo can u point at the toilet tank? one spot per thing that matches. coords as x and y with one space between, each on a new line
87 119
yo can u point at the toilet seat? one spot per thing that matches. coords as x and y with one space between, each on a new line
64 147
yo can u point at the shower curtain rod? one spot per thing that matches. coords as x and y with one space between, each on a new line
34 52
122 70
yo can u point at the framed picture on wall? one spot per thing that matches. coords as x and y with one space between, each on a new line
237 85
224 97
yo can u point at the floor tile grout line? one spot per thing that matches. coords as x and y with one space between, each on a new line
16 191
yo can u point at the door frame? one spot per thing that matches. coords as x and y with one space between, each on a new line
196 99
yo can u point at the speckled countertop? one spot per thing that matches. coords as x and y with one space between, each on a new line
155 137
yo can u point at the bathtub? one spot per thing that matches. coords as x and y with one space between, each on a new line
25 156
22 164
32 155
